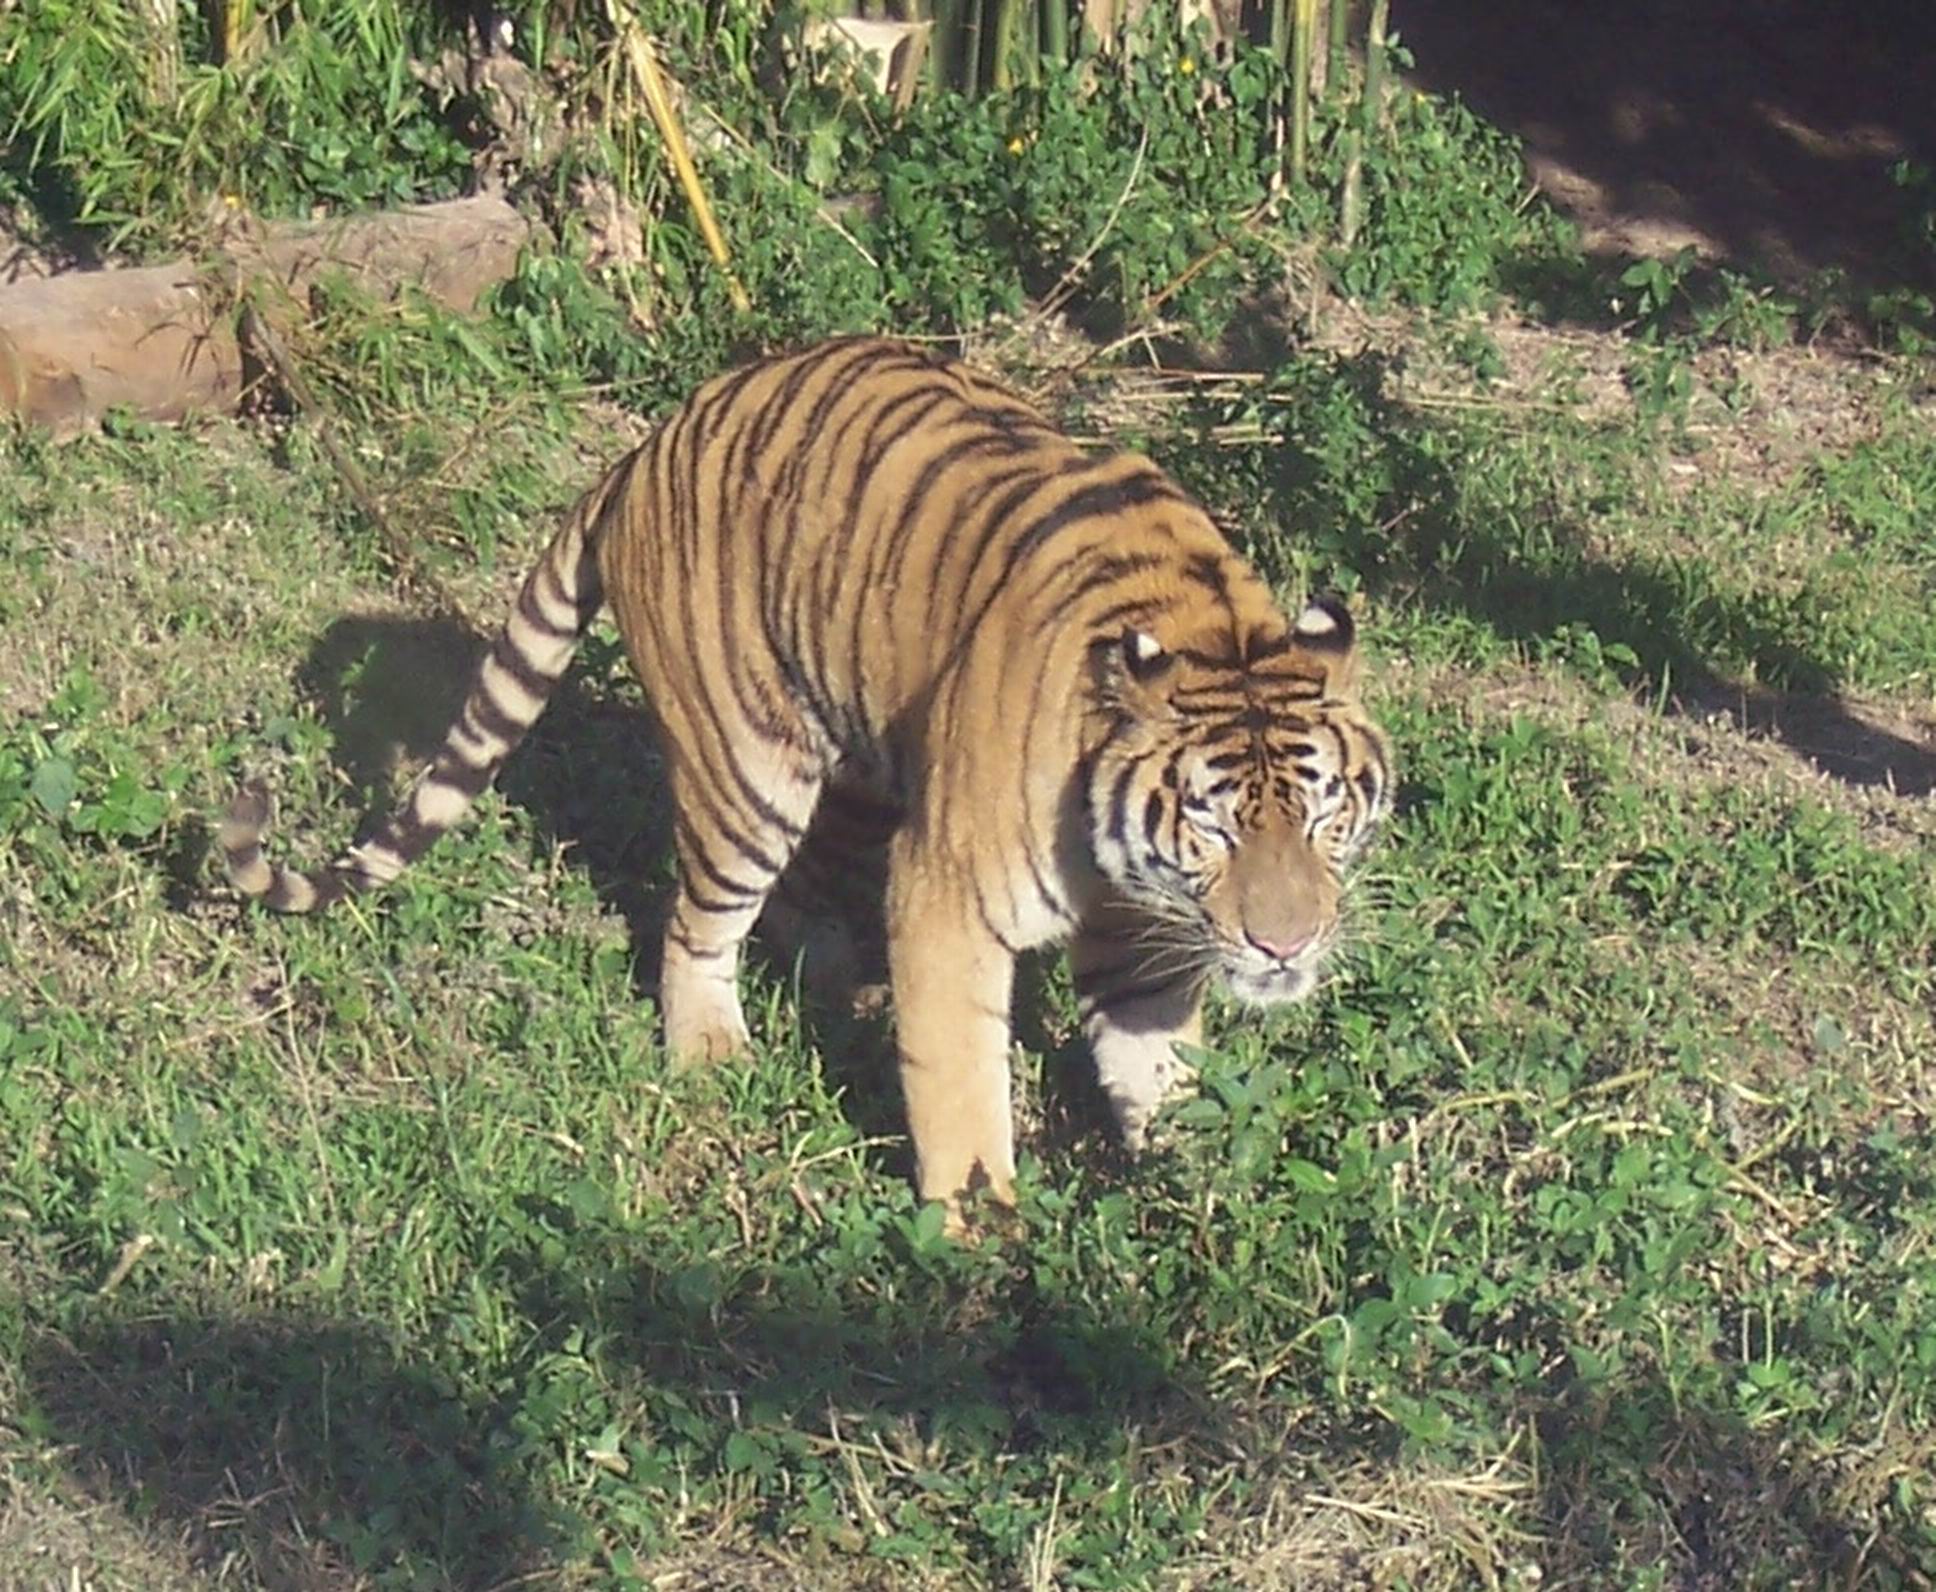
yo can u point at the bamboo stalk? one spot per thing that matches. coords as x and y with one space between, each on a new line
645 70
1352 200
1055 30
1340 31
998 53
1304 26
229 22
1375 67
973 73
944 45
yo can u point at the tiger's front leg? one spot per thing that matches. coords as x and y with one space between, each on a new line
952 979
1138 1001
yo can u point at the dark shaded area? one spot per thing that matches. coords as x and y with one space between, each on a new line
1640 1477
311 1453
316 1453
589 771
590 775
311 1450
1759 129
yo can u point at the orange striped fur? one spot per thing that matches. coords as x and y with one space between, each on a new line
871 593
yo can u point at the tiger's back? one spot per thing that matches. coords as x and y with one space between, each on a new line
864 574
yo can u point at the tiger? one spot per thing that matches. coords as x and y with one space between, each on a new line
876 599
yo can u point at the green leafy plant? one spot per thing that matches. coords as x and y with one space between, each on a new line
323 112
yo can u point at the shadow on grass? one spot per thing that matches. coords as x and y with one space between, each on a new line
590 775
316 1453
1641 1482
588 771
309 1450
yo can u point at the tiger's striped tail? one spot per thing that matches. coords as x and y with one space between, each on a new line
555 606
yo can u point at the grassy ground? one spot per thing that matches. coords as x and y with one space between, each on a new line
1583 1232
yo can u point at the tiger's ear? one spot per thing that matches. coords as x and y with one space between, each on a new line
1327 629
1326 625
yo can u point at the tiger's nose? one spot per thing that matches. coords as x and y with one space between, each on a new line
1281 946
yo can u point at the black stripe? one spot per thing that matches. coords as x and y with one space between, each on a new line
988 921
889 548
1153 815
991 504
521 669
993 512
1092 502
695 856
692 948
1113 567
1223 662
1262 645
1089 503
1207 572
1106 626
692 792
898 537
466 778
487 718
712 904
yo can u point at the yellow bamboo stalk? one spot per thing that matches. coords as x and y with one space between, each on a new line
645 70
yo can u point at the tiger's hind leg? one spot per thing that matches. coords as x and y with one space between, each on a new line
730 853
826 911
1138 1001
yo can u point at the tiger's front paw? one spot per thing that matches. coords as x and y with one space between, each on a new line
967 1218
703 1031
1139 1074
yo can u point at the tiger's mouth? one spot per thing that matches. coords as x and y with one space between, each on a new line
1258 980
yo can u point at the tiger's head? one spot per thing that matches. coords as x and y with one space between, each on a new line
1237 782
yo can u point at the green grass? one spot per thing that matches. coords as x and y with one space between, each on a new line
1581 1230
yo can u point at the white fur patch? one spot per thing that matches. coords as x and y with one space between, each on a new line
439 804
377 862
1316 621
